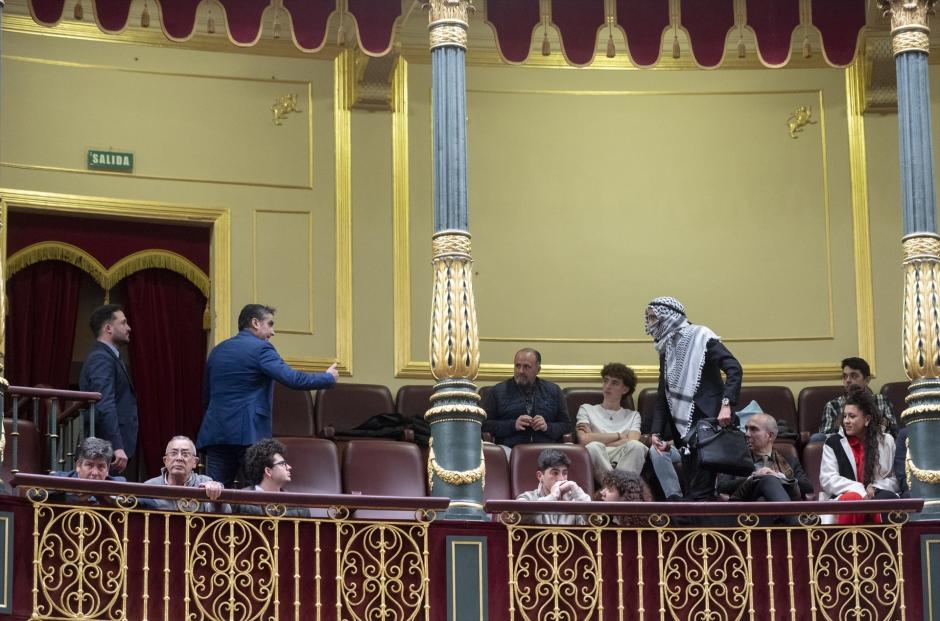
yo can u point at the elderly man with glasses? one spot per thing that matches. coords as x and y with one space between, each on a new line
268 471
179 464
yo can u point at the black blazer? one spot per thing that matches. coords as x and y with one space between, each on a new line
711 389
116 413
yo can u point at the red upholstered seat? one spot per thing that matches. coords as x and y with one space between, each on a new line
811 402
29 447
383 468
292 412
414 400
576 397
497 473
524 459
346 406
774 400
314 468
812 459
895 392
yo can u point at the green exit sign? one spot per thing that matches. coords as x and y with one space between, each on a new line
115 161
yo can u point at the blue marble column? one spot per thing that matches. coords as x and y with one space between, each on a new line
455 464
921 316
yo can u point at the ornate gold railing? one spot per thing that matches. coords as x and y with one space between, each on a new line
117 560
643 561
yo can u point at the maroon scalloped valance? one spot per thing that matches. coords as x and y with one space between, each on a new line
579 23
107 240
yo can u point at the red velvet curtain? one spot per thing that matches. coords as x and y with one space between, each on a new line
167 355
41 324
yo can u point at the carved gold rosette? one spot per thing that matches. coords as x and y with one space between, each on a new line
448 22
920 340
909 31
455 344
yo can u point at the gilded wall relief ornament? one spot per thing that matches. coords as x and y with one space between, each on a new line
284 105
909 30
798 119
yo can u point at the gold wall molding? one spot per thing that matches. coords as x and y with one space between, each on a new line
218 219
344 81
408 367
306 85
861 236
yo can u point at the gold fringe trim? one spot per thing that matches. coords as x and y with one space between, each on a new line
159 259
58 251
108 278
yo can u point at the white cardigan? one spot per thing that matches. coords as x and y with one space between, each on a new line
833 484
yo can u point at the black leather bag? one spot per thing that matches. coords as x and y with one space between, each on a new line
721 449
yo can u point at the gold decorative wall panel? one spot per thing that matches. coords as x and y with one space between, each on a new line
603 198
282 251
173 138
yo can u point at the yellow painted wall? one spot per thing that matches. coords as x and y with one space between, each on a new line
590 192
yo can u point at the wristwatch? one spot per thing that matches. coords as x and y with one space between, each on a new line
725 401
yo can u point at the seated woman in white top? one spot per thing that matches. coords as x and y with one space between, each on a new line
610 432
858 461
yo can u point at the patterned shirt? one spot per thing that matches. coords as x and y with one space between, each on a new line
834 410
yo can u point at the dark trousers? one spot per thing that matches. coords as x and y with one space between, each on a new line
769 489
224 461
700 483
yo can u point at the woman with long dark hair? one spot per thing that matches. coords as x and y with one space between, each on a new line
858 461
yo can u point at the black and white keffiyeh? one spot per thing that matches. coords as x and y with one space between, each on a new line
683 347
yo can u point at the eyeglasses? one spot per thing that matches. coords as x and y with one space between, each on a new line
280 463
178 453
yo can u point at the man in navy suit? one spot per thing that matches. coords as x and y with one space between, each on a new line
104 372
239 389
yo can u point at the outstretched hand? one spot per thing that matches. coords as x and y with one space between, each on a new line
332 371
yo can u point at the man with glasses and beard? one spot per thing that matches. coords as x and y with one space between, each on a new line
267 470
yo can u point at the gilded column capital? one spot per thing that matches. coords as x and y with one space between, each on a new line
448 22
909 30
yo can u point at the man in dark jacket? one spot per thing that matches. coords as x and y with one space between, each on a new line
103 371
526 409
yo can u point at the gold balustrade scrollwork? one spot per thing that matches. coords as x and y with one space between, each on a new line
383 571
706 573
554 573
80 563
856 573
231 568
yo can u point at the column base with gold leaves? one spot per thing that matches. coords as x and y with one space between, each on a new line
455 463
921 354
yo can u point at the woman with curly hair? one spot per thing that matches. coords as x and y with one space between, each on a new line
858 461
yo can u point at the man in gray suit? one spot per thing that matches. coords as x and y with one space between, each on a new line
104 372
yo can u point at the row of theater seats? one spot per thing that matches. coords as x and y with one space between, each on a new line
297 413
388 468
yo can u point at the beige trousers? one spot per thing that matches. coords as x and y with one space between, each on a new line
629 457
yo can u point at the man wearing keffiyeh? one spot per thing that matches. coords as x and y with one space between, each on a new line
691 360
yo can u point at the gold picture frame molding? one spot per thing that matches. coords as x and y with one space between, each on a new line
407 367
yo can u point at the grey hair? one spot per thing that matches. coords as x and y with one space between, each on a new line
187 438
95 448
770 423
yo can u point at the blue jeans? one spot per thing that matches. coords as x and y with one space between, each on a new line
224 461
665 471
